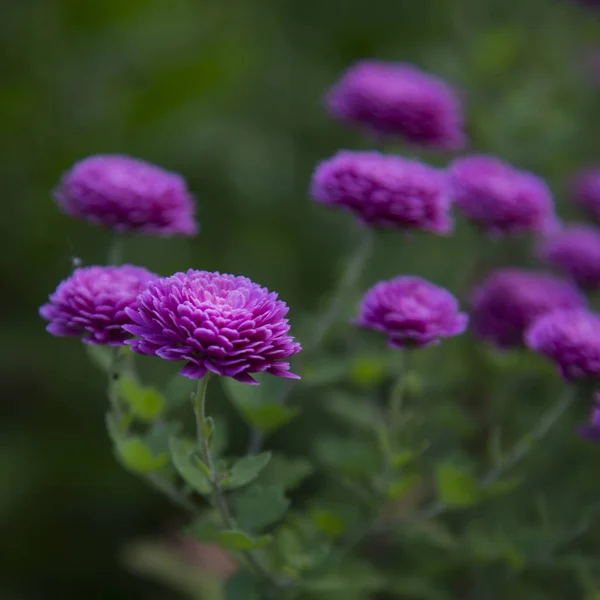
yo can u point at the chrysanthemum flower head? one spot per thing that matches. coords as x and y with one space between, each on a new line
509 300
411 312
500 199
586 191
385 191
220 323
591 430
398 99
569 338
575 251
127 195
91 303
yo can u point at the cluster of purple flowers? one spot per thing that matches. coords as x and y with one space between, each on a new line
233 327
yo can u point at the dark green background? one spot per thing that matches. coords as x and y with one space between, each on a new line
229 94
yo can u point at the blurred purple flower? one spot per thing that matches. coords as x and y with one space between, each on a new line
575 251
398 99
385 191
127 194
571 339
501 199
220 323
411 312
586 191
591 430
91 303
509 300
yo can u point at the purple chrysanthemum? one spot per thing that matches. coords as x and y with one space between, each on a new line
591 430
127 194
384 190
571 339
575 251
501 199
220 323
586 191
509 300
411 312
91 303
398 99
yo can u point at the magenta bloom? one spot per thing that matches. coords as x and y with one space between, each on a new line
398 99
576 252
385 191
586 191
591 430
411 312
500 199
91 303
220 323
509 300
126 194
571 339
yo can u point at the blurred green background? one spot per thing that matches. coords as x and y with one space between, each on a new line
229 94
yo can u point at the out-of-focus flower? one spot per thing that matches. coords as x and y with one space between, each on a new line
591 430
411 312
127 194
500 199
575 251
91 303
509 300
586 191
398 99
220 323
569 338
385 191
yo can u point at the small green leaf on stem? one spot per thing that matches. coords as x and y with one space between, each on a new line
456 486
259 506
284 471
246 470
137 457
237 540
145 403
208 429
182 455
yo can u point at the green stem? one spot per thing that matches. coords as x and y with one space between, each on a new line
114 376
115 251
252 559
517 454
348 281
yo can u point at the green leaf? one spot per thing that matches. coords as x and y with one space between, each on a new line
208 429
246 470
256 406
351 457
145 403
456 486
400 487
101 356
204 528
182 455
137 457
237 540
402 458
328 522
284 471
242 586
259 506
